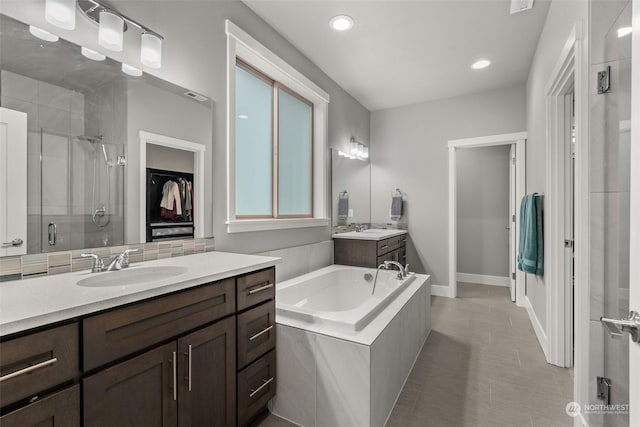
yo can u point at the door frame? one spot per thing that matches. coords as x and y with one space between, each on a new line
519 139
198 177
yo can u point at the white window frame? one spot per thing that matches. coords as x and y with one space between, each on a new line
242 45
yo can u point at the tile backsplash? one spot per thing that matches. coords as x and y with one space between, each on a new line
35 265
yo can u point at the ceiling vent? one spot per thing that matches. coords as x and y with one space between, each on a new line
196 96
520 5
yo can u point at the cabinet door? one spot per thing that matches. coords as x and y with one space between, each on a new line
61 409
206 376
139 392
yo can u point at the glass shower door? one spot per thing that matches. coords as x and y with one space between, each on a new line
610 139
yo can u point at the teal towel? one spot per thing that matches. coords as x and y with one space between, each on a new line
531 248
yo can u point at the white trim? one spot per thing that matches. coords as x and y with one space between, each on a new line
442 291
487 141
537 327
274 224
198 177
483 279
558 295
519 139
241 44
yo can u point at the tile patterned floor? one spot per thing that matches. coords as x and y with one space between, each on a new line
481 366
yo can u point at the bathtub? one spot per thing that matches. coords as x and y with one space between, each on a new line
340 296
344 354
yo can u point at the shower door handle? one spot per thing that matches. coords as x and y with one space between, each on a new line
53 233
617 326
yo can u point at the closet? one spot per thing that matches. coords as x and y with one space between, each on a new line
170 205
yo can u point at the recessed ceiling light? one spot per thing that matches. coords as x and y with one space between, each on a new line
624 31
341 23
92 54
42 34
482 63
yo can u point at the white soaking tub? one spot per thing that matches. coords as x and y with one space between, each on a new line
344 354
340 296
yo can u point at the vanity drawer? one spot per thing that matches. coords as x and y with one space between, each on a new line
256 287
256 333
256 386
36 362
123 331
387 245
60 409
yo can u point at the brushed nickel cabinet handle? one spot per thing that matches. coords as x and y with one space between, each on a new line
264 331
264 384
260 289
28 369
175 376
384 247
190 367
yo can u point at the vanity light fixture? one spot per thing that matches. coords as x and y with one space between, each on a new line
42 34
92 54
61 13
341 23
132 71
357 150
151 50
480 64
624 31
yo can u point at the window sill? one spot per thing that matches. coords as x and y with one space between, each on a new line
248 225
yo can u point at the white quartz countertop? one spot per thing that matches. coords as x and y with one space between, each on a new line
370 234
30 303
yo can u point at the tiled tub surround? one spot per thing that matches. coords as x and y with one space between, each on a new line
331 376
36 302
35 265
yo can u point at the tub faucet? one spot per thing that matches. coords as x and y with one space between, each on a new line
401 274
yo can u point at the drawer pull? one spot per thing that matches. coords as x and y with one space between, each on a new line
384 247
260 289
264 331
28 369
175 377
404 240
190 367
264 384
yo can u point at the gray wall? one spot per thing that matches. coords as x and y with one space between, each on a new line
159 157
561 18
409 151
194 56
483 210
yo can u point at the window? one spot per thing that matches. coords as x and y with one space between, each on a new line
277 175
274 152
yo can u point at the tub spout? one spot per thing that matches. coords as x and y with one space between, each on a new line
401 274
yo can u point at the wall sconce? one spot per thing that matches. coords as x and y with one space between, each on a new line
357 150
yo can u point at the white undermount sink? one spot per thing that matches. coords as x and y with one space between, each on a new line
131 276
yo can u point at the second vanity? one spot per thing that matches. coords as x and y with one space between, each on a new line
177 342
370 248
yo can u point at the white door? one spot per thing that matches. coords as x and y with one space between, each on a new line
513 247
13 182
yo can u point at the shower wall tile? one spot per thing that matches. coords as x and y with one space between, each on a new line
19 87
54 96
54 120
34 265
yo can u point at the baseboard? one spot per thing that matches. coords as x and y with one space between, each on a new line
483 279
537 327
442 291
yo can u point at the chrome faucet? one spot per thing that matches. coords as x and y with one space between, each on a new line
98 263
121 261
360 227
402 274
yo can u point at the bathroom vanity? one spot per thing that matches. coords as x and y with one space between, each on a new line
195 348
370 248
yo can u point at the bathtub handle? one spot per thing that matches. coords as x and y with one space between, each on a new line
264 384
264 331
261 288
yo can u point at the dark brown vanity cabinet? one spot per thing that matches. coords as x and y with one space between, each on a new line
370 253
204 356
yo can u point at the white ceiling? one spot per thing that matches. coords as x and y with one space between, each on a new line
403 52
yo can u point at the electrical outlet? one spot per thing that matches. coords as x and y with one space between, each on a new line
350 213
